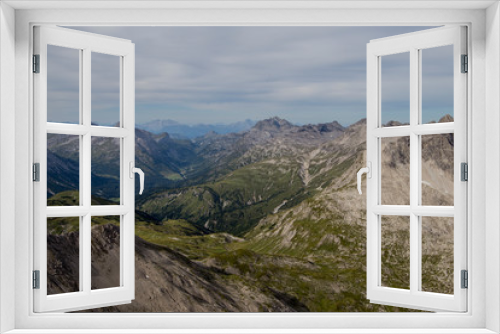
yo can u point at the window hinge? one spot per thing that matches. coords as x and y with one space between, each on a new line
465 64
36 279
36 172
36 63
465 279
464 171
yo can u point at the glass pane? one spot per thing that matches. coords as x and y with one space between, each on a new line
437 254
437 169
395 251
105 252
437 84
105 171
63 170
63 85
105 89
63 255
395 89
395 171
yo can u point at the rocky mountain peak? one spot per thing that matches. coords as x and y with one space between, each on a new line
329 127
336 124
273 124
210 134
394 123
360 122
446 118
161 137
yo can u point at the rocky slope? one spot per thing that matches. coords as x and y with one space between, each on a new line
166 281
330 225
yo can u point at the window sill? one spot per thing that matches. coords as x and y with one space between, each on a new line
252 331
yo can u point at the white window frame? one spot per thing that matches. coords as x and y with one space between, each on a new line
482 19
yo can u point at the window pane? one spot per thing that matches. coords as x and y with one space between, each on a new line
395 251
63 170
437 169
437 254
437 84
63 255
105 252
395 171
105 171
105 89
63 85
395 89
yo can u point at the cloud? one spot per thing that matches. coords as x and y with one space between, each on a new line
226 74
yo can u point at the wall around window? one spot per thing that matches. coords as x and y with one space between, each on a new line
492 163
7 168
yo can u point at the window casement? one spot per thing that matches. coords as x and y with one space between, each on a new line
416 213
82 209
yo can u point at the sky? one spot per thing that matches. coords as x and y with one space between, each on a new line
228 74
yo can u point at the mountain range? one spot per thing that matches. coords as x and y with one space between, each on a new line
183 131
268 219
173 163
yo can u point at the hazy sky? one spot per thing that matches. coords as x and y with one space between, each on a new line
227 74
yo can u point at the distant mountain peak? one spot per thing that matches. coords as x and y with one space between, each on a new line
211 134
185 131
361 121
394 123
446 118
162 136
164 122
273 124
330 127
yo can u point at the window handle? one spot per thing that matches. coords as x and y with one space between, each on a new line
139 171
368 171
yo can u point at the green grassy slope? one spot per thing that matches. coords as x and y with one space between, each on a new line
238 201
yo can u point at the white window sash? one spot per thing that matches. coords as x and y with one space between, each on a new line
412 43
87 43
